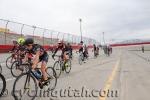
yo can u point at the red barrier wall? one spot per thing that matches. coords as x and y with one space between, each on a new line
7 48
129 44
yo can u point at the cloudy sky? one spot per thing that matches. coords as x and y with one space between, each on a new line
119 19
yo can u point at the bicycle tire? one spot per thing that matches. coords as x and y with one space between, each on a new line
4 85
9 67
1 69
17 79
57 68
13 67
53 77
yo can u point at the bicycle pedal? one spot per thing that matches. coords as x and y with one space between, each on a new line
40 85
51 77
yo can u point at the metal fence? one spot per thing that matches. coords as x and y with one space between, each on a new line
13 30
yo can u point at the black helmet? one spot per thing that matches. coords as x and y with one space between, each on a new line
28 41
81 41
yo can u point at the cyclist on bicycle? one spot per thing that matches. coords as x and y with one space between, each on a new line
40 56
14 49
70 50
83 49
15 45
64 51
21 50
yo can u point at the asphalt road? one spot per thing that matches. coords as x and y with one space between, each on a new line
125 75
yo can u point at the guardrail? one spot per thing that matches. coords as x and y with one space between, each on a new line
13 30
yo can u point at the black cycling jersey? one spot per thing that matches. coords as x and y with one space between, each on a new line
22 48
81 49
35 48
62 48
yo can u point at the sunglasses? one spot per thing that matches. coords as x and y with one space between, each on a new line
29 45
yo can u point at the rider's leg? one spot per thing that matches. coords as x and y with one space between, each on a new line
44 60
66 57
43 70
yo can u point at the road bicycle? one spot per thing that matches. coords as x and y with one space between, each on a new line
26 85
82 58
2 84
18 67
61 65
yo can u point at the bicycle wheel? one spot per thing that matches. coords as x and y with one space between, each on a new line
17 69
25 87
9 62
2 84
0 69
57 68
68 66
53 79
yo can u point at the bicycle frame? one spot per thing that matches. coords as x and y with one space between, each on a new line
29 74
60 60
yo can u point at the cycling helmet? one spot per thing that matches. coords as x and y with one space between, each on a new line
28 41
21 41
60 42
81 41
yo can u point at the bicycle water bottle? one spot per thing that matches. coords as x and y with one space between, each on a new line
38 74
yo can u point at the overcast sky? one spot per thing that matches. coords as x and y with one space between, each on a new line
119 19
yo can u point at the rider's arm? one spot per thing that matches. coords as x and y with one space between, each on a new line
36 59
13 48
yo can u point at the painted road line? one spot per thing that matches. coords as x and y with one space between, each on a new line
110 80
10 79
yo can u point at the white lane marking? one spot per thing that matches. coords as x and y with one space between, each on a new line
10 79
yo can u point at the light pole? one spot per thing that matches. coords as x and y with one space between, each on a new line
22 29
6 32
80 20
43 36
103 38
34 27
58 35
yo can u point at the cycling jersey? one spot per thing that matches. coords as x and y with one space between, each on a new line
43 54
81 49
62 48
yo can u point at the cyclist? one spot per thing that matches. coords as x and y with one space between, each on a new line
64 52
21 50
40 56
15 45
14 49
142 48
83 50
95 49
70 50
